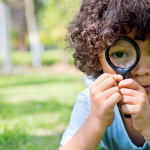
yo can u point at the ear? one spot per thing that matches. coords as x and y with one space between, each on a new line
98 66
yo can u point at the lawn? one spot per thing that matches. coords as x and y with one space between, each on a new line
35 108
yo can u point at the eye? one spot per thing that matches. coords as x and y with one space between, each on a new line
120 55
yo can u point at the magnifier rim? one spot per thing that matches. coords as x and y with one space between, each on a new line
134 44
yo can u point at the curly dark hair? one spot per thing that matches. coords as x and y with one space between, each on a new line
100 23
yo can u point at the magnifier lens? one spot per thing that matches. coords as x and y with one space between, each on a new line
122 54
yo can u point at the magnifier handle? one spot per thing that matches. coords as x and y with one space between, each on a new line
127 116
126 77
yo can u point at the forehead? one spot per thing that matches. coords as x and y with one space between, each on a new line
131 35
122 43
125 45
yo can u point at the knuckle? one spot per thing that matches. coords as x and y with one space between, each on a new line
92 91
96 98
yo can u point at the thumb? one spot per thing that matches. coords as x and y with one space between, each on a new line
117 77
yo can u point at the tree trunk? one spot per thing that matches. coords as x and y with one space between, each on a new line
18 23
35 44
4 39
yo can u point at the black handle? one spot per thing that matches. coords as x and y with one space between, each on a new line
126 76
127 116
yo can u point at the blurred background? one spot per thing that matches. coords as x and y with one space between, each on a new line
38 81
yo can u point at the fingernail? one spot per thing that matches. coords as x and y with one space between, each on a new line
120 77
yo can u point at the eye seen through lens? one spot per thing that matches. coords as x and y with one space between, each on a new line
122 54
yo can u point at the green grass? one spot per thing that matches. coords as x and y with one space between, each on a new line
35 108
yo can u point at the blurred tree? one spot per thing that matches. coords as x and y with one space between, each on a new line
29 23
4 39
35 44
54 20
18 22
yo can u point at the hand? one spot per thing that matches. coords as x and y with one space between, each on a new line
104 94
135 102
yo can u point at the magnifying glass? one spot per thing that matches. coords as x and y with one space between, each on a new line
123 56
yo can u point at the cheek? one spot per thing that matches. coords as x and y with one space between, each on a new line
106 68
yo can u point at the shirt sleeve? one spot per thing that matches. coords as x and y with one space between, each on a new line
79 114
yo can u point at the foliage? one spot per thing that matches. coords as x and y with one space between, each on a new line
54 20
21 58
38 6
52 17
49 57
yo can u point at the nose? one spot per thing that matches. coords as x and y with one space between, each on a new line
142 68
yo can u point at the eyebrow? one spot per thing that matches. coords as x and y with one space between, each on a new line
123 44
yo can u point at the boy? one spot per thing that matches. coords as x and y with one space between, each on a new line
97 116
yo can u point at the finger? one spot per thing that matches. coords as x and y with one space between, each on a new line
106 94
128 92
128 109
104 76
106 84
117 77
100 79
113 99
130 84
127 100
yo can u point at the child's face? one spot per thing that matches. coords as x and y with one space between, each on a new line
141 73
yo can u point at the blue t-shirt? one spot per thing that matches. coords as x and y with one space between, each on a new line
115 137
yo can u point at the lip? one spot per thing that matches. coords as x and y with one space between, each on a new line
146 87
